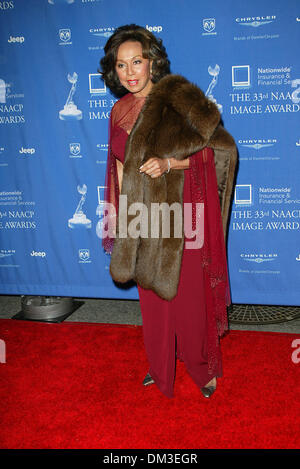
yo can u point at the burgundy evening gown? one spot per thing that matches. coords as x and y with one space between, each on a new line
177 328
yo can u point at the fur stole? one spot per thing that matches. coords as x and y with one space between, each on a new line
177 120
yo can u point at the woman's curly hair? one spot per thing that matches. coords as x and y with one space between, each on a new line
152 47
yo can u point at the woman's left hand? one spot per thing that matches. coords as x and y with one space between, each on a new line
154 167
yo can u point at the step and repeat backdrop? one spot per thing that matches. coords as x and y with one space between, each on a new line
54 112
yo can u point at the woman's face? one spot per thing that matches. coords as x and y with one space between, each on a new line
133 69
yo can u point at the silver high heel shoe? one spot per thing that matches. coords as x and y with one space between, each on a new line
207 391
148 380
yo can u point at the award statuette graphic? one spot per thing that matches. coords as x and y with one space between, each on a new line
214 72
79 219
70 111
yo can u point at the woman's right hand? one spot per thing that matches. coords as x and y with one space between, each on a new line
155 167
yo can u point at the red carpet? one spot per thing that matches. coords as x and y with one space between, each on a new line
78 385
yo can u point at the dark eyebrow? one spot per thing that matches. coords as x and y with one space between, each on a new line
120 60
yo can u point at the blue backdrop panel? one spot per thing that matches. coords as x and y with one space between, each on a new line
54 112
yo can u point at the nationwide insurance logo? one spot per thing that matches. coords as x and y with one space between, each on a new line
240 76
100 102
243 194
97 86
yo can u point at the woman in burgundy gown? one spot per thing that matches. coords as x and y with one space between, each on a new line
185 327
